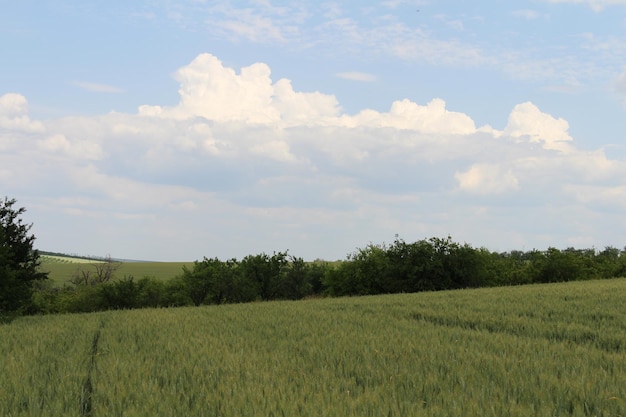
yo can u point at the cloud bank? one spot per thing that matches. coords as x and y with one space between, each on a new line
244 163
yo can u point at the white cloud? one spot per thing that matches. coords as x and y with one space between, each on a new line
405 114
253 28
84 150
600 196
209 90
334 29
261 22
275 149
572 61
414 45
55 143
487 179
356 76
97 88
13 105
244 163
527 121
14 114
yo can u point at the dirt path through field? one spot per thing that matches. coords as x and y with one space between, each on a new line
86 405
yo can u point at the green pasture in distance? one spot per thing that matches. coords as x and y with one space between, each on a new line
62 272
65 259
539 350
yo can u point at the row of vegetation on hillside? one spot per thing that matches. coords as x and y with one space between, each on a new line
426 265
401 267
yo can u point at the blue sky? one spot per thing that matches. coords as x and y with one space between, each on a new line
173 130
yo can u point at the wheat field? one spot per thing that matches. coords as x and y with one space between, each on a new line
541 350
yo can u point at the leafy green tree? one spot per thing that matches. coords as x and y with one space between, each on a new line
294 280
19 262
266 272
334 280
200 280
560 266
220 277
316 272
120 294
418 265
212 281
607 263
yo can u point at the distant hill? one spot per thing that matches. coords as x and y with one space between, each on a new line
56 257
73 258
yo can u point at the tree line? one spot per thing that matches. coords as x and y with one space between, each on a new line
261 277
426 265
440 264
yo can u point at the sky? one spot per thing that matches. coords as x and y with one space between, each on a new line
173 130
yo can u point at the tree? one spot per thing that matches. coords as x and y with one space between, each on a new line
210 281
104 273
295 280
264 273
198 280
19 262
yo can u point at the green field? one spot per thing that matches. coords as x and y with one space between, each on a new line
541 350
61 269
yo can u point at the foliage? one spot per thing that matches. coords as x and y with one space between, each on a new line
433 264
62 273
101 273
536 350
439 264
19 262
426 265
261 276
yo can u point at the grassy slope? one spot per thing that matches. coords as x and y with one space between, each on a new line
542 350
61 270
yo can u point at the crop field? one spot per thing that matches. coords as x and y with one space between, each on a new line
61 269
541 350
56 259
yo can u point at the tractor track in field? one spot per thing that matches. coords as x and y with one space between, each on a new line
587 338
86 397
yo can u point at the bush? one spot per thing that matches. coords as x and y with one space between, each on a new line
425 265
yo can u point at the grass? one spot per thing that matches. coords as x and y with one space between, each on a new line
61 271
541 350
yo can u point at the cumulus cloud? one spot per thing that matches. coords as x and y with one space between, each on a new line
214 92
210 90
405 114
244 155
487 179
14 114
13 105
84 150
527 121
